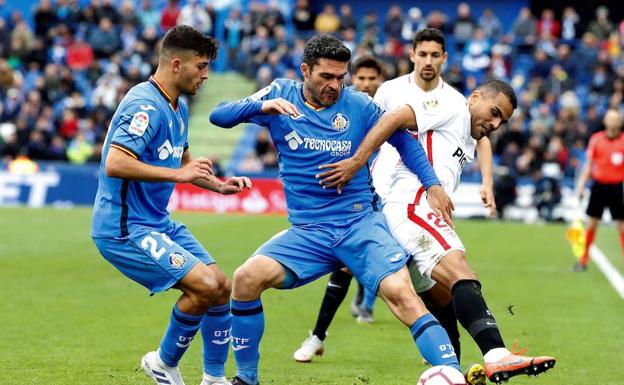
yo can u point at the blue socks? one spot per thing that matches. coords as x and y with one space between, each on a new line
369 300
247 330
179 335
433 342
216 328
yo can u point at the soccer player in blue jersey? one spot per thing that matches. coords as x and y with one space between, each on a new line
145 154
313 123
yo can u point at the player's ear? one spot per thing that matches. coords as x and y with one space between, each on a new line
413 55
474 97
305 70
176 65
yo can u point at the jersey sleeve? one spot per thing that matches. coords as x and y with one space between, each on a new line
246 110
381 97
135 127
428 117
372 112
591 147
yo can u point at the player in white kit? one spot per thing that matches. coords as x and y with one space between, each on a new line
448 126
426 86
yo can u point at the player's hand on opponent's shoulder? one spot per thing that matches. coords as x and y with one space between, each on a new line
487 197
280 106
234 185
339 173
196 168
441 203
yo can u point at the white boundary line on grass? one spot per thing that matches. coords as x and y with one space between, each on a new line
613 276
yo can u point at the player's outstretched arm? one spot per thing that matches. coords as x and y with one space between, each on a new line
340 173
486 165
119 164
229 114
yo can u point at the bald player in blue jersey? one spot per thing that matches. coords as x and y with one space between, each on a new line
312 123
145 154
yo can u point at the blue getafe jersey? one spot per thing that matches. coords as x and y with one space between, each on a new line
318 136
146 127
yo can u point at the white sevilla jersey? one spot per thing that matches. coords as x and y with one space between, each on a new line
443 123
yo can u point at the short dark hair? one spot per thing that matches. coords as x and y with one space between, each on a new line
367 61
183 38
324 46
429 34
495 86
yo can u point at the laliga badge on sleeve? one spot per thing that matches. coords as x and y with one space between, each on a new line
139 123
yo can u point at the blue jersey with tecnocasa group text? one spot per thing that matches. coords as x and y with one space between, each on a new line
320 135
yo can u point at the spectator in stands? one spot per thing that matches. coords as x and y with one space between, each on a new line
169 15
548 24
464 26
79 54
233 35
57 149
394 22
491 24
265 151
524 30
601 27
414 23
45 18
547 189
104 39
79 150
327 21
195 15
148 15
303 18
347 20
569 25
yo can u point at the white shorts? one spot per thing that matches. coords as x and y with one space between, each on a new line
423 235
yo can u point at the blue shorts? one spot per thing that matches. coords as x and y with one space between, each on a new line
154 258
363 244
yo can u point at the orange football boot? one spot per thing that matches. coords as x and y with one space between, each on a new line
515 364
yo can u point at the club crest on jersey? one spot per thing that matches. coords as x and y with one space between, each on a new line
430 105
177 260
139 123
340 122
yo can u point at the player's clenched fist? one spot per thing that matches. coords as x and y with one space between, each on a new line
197 168
235 185
280 106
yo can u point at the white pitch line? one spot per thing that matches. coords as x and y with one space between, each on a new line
613 276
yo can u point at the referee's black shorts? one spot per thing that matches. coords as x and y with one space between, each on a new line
606 195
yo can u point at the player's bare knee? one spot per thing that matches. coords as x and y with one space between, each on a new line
246 283
224 292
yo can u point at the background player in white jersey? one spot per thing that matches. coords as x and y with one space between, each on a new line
448 133
145 154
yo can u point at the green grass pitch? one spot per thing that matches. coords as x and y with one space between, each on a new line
68 317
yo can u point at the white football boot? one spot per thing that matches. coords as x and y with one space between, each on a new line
310 347
207 379
161 373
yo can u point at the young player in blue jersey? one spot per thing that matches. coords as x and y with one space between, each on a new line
312 123
145 154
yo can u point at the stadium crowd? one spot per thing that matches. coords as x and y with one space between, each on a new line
62 78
